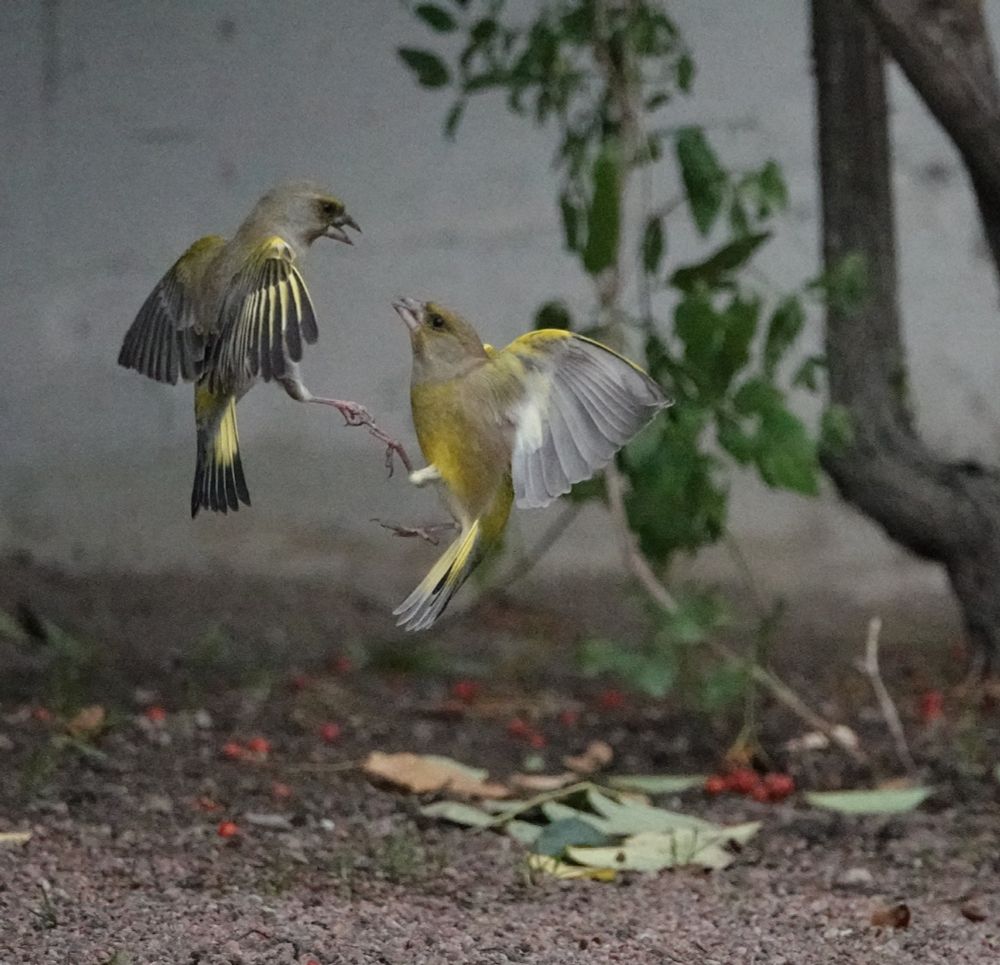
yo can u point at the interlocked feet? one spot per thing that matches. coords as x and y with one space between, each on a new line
430 532
357 415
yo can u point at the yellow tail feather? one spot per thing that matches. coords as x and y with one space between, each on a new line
219 483
427 602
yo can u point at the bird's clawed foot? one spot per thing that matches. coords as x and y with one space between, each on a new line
356 414
429 533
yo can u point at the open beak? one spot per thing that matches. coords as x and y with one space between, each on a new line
337 232
409 310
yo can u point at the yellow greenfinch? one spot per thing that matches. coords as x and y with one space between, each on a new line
518 425
230 313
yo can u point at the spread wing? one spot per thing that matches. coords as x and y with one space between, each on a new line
266 316
573 403
163 340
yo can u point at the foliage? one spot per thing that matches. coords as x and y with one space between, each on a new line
603 74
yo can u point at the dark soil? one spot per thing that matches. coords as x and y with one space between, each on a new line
126 865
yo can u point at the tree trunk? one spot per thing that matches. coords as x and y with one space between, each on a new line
947 512
943 47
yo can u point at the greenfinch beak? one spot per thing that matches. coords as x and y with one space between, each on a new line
410 311
336 228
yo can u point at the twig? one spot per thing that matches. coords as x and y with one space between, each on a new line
870 668
428 532
525 563
660 595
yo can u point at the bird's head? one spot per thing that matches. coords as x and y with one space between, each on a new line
302 212
444 344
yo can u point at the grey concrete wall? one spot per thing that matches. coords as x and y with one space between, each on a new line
128 129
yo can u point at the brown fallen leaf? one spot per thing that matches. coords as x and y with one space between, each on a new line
540 783
420 774
87 721
597 755
973 912
891 916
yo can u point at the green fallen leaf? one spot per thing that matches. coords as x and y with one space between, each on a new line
562 834
633 818
524 832
557 811
458 813
655 783
655 851
887 801
559 869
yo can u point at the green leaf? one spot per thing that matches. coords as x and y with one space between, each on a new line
772 186
655 783
782 330
836 429
524 832
652 245
888 801
806 376
653 851
556 837
570 214
704 179
453 119
604 216
437 18
846 284
722 262
654 675
786 454
429 69
632 818
685 72
458 813
554 314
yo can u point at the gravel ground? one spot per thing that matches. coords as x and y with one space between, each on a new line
126 866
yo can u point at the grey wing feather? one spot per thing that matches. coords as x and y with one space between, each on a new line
577 413
162 341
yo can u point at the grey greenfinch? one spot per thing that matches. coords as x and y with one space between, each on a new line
520 425
230 313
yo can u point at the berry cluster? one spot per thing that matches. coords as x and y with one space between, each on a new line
770 787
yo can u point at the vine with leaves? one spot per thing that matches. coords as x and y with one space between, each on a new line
603 75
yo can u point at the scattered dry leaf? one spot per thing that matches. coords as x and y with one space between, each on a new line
420 774
15 837
536 783
597 755
87 721
973 912
891 916
817 741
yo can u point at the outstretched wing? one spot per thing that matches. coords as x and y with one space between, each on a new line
573 403
266 316
163 340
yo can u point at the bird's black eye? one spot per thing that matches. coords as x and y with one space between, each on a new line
436 321
330 209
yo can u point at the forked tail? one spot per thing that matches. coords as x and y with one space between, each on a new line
427 602
219 483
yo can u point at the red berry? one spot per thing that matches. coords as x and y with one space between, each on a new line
743 780
299 681
779 786
280 791
42 714
330 732
931 706
205 803
536 740
715 785
516 727
760 793
156 714
233 750
228 829
311 961
569 717
341 665
259 745
611 699
465 690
